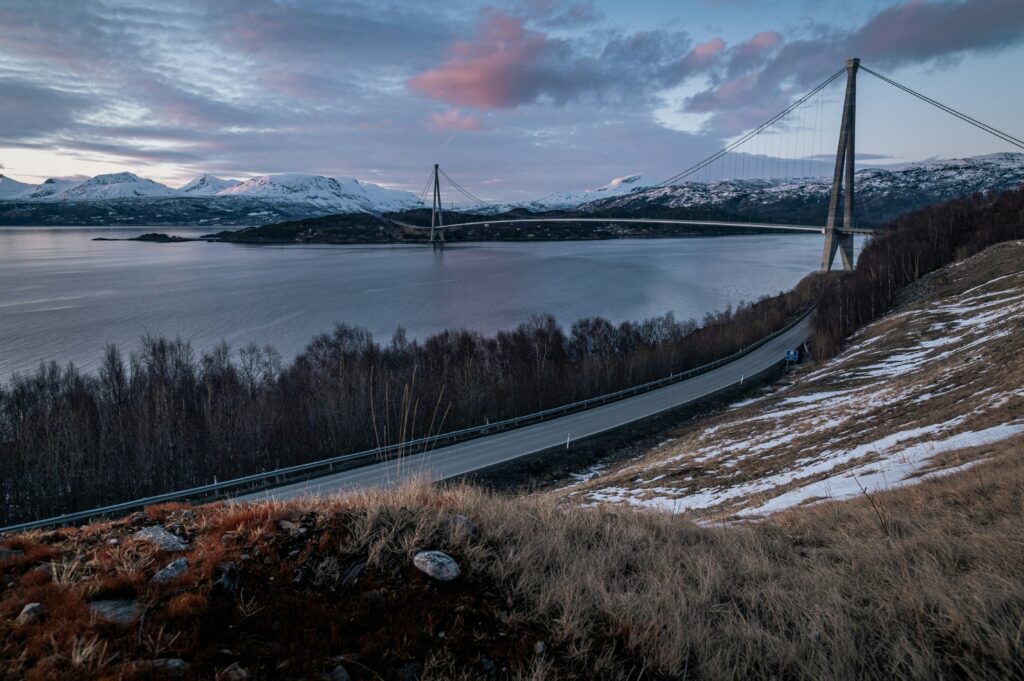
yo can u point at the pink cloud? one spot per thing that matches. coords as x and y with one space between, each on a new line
706 52
494 70
765 40
452 120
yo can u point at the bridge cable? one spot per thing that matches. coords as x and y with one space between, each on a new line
465 192
423 194
950 110
756 131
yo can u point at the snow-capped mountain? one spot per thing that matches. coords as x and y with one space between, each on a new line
207 185
10 188
53 188
620 186
882 192
125 198
116 186
343 195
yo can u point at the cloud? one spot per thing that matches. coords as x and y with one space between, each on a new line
559 14
759 77
915 31
506 64
453 119
502 67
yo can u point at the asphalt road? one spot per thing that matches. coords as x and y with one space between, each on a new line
490 450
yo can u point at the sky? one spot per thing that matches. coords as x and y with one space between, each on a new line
514 98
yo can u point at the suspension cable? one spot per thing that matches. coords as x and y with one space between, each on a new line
465 192
756 131
423 194
950 110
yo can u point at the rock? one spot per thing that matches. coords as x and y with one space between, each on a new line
137 518
461 523
233 673
539 647
488 667
352 574
410 671
10 553
437 564
119 611
162 538
287 526
375 599
339 673
227 579
32 612
165 666
114 541
176 568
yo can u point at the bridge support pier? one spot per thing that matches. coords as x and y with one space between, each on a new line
436 216
837 239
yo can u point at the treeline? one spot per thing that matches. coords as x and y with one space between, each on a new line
907 249
165 417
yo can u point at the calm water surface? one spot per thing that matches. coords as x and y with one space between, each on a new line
64 297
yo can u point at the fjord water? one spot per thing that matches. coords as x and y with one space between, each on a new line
64 296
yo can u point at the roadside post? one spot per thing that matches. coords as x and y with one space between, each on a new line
792 357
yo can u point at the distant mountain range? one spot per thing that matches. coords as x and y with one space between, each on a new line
125 198
882 192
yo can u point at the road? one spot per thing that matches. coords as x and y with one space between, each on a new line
484 452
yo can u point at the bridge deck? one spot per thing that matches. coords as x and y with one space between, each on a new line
702 223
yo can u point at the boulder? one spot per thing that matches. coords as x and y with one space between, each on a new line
32 612
437 565
339 673
160 537
460 523
168 573
227 579
119 611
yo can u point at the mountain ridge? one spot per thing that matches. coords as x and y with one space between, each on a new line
125 198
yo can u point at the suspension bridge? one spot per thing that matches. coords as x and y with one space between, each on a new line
464 452
761 152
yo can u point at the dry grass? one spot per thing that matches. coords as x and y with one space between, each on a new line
920 582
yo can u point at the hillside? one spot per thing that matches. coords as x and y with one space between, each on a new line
595 582
929 389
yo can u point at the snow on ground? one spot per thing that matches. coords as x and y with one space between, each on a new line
923 391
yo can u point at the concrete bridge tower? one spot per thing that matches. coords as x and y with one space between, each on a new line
436 216
836 238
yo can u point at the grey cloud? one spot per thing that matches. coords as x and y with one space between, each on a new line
909 33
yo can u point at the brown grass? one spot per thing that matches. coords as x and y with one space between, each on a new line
922 582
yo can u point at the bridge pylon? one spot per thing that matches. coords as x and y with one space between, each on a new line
836 238
436 215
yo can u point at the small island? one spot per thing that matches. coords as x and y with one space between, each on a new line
152 237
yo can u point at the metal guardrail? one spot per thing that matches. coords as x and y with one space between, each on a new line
278 476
